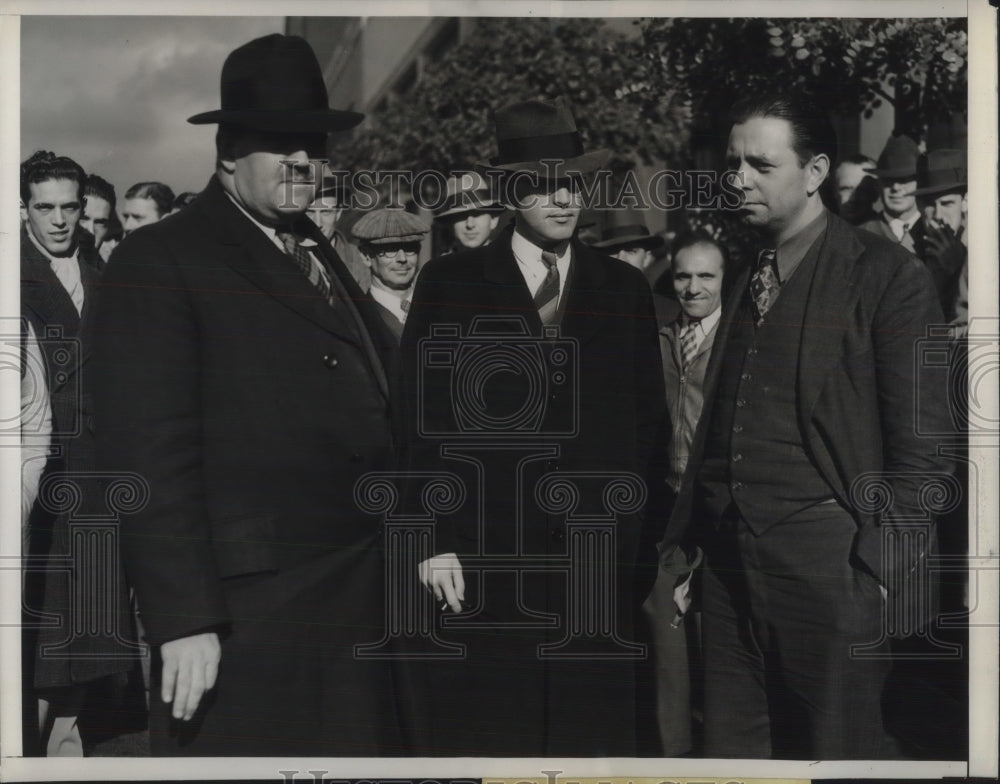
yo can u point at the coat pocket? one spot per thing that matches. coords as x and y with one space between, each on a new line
244 545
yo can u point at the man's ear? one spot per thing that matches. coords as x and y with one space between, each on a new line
818 169
493 222
24 210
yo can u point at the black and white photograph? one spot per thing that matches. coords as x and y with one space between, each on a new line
540 390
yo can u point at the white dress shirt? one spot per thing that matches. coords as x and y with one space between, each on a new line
529 261
389 299
67 270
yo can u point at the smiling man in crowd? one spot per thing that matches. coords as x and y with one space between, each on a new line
470 212
241 374
900 220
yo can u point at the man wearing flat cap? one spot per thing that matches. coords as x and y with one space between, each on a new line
241 375
470 212
483 327
389 242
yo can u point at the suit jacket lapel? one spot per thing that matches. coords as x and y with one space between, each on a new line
832 296
42 292
509 292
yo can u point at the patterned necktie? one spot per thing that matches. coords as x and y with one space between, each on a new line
306 263
689 343
764 285
547 296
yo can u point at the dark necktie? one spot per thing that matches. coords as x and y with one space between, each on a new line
547 296
307 265
764 285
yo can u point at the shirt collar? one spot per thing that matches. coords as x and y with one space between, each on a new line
707 324
527 252
41 248
793 249
272 233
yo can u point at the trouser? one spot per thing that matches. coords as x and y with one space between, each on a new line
781 612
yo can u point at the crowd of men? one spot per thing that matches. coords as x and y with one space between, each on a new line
251 365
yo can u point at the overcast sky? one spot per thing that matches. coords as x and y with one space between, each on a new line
114 93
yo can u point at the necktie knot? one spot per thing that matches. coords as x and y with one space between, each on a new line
549 259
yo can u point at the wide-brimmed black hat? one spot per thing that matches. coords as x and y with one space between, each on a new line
940 171
625 228
533 132
275 84
898 160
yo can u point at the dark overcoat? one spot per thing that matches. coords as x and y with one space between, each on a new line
548 435
97 640
250 407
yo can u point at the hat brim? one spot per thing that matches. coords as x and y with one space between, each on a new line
462 210
648 241
302 121
391 240
582 164
942 188
895 174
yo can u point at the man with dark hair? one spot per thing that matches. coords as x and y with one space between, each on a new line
251 405
858 189
145 203
182 200
98 206
535 292
59 276
811 395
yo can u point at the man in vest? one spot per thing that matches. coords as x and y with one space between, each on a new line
811 393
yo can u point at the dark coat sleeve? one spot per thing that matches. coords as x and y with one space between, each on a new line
148 409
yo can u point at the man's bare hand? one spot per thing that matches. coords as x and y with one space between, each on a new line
190 666
442 574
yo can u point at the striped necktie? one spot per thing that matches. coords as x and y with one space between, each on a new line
307 265
764 284
547 296
689 343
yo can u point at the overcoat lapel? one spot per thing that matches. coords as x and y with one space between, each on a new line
250 253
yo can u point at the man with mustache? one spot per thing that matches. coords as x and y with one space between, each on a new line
241 374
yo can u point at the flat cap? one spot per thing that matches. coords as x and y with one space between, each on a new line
389 225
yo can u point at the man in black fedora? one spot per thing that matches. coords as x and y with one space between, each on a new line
535 305
240 373
624 235
900 220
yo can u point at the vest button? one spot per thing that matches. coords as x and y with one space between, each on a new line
331 361
558 535
738 485
737 428
737 457
740 402
746 376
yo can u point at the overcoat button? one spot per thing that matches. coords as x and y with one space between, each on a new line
331 361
